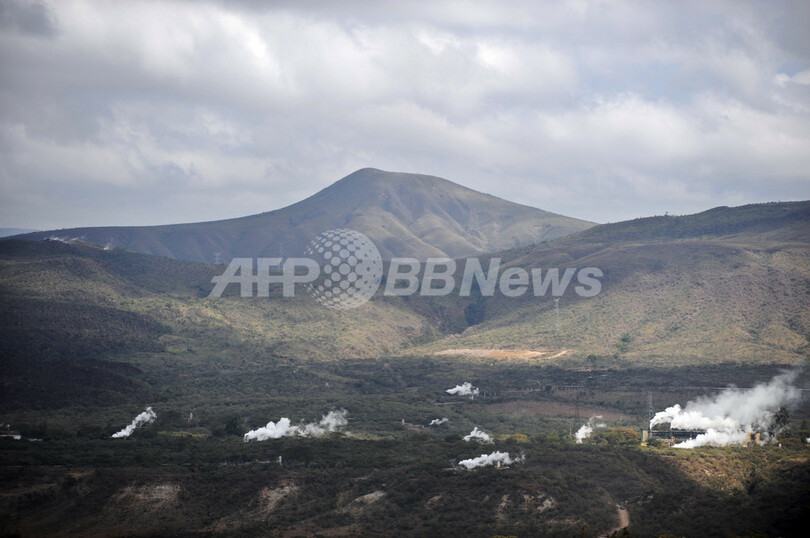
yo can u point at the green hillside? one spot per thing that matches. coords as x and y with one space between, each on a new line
90 337
727 285
692 298
68 309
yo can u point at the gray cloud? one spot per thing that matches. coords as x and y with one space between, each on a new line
29 17
155 112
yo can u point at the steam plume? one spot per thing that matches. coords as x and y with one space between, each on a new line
478 435
331 422
731 415
465 389
66 240
438 421
585 431
496 458
144 418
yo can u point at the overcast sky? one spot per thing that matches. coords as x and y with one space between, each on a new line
129 113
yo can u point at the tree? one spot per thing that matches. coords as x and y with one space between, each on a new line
232 426
780 422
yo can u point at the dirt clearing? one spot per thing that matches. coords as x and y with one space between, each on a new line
505 354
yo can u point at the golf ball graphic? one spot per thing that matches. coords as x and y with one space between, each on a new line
351 268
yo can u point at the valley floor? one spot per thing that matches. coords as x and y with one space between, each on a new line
390 473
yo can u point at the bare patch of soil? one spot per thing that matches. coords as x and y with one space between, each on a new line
505 354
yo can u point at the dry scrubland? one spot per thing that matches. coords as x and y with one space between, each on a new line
91 337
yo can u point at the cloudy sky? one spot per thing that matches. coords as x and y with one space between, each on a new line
129 113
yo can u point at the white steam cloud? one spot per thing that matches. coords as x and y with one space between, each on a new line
66 240
331 422
478 435
713 437
144 418
731 415
438 421
496 458
465 389
585 431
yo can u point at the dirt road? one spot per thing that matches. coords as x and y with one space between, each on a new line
624 517
624 521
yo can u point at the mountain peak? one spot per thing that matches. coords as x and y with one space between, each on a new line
404 214
375 176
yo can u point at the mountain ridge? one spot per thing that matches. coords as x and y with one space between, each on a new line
718 221
727 284
738 297
404 214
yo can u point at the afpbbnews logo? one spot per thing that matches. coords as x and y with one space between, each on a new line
343 269
511 282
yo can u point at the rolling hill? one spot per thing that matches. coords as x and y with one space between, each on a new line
729 285
80 325
404 214
89 337
725 285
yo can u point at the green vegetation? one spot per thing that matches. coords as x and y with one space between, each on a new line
190 470
690 298
384 478
90 337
